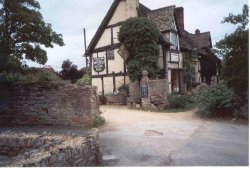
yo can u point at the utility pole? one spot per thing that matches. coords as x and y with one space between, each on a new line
85 46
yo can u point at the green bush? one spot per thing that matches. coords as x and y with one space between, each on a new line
47 77
28 78
85 80
9 77
99 121
217 100
178 101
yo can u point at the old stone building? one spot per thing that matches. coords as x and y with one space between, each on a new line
109 69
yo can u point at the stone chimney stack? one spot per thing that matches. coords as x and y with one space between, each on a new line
179 12
197 31
132 7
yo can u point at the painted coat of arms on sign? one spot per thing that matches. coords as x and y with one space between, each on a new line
99 64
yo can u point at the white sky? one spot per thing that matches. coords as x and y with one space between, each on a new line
69 17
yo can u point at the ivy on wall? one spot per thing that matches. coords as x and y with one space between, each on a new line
140 37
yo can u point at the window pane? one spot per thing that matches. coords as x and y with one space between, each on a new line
110 55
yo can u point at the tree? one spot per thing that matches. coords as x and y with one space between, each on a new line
70 71
140 37
22 33
234 50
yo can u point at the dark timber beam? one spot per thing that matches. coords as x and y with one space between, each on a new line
110 75
105 48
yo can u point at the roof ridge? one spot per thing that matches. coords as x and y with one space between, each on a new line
144 6
102 25
162 8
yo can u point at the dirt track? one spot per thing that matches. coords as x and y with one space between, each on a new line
138 138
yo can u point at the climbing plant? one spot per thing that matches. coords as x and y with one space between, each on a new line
140 37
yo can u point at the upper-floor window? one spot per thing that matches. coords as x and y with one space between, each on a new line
110 55
174 40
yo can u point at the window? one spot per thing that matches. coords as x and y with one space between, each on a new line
174 40
110 55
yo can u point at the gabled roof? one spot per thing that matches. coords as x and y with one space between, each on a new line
143 12
101 28
198 41
162 18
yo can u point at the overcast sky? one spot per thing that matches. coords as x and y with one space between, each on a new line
69 17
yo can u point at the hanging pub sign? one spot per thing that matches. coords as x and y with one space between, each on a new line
99 64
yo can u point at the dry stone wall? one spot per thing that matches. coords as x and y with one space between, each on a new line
33 150
48 104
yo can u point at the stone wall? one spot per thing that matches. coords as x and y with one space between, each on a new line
33 150
48 104
158 91
158 87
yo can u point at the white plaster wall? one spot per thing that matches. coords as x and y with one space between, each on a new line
108 85
120 14
167 36
172 65
160 62
180 60
105 39
169 79
119 81
97 82
125 10
116 30
131 8
117 64
197 74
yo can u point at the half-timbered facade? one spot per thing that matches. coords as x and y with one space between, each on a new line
108 68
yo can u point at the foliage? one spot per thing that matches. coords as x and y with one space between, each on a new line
47 77
234 50
216 100
22 33
85 80
188 70
28 78
177 101
99 121
86 70
70 71
140 37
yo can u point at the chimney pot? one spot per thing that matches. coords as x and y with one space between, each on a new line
197 31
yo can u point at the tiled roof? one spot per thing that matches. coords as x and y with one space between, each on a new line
143 10
198 41
163 18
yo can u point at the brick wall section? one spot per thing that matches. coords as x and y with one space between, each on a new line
48 104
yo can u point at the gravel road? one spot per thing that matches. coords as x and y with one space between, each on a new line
138 138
